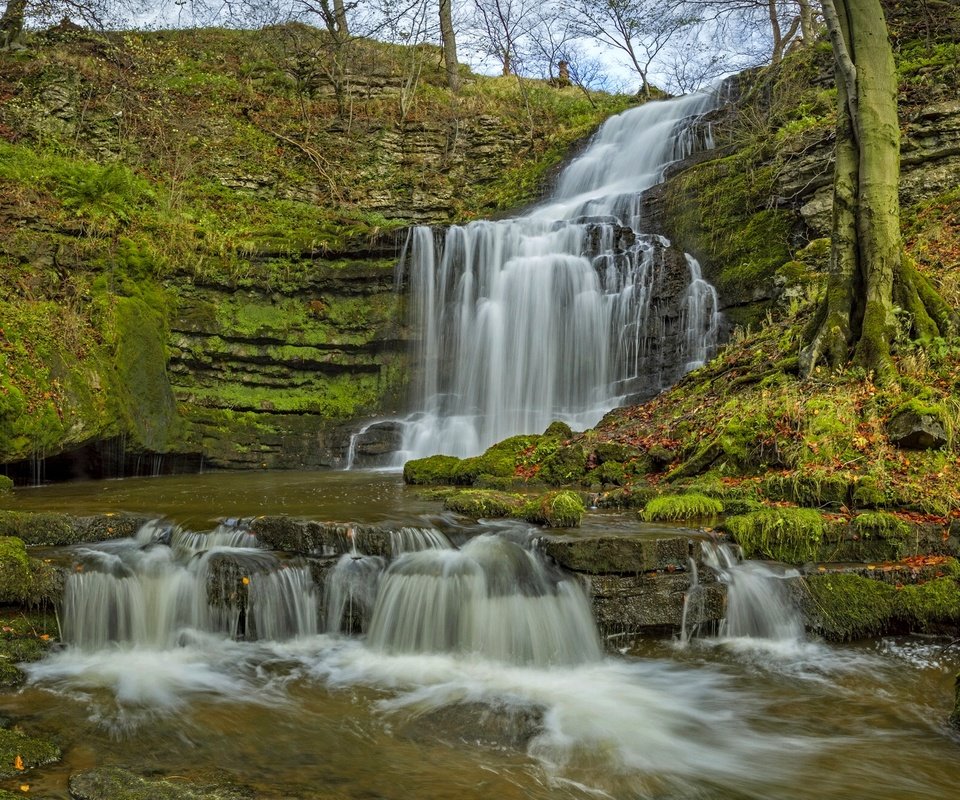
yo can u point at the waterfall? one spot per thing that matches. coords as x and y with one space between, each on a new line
563 313
150 589
758 599
493 597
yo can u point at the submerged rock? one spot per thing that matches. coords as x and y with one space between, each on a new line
16 748
113 783
478 724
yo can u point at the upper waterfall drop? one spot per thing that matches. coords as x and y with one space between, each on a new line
567 311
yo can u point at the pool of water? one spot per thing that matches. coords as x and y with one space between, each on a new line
326 716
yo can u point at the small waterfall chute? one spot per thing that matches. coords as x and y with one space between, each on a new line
493 598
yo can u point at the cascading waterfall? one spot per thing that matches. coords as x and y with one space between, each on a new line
758 600
567 311
146 591
493 597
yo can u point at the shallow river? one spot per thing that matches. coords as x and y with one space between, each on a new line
325 716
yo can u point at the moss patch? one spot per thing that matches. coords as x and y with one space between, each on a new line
791 535
484 504
851 607
680 507
431 471
563 509
33 752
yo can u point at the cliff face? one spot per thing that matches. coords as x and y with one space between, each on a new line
200 230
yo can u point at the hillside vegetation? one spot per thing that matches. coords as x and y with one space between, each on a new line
198 228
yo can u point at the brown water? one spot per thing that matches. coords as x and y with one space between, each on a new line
325 717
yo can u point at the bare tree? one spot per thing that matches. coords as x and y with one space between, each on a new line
500 26
641 29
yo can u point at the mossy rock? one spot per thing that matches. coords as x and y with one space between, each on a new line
808 489
866 493
43 528
484 504
558 430
498 461
563 509
610 472
613 451
682 507
15 574
566 465
34 752
879 525
114 783
846 607
631 496
791 535
6 485
735 450
431 471
916 425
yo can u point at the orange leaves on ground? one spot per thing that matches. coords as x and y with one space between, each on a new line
916 562
18 763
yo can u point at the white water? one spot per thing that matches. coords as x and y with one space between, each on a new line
758 598
560 314
151 589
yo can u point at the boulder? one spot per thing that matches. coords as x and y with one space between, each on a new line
917 427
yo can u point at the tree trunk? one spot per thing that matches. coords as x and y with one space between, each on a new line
868 274
449 40
775 31
11 23
806 22
340 15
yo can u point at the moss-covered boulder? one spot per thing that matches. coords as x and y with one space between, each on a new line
566 465
682 507
498 461
25 580
19 752
918 426
484 504
844 606
558 430
792 535
6 485
630 496
431 471
563 509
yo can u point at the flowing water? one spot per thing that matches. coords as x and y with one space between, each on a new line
480 673
564 312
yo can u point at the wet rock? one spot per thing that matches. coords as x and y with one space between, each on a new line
114 783
478 724
32 751
618 555
307 537
917 428
653 603
45 528
377 444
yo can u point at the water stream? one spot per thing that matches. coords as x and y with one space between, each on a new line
479 674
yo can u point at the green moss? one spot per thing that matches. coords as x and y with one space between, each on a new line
498 461
6 485
558 430
791 535
610 472
34 752
562 509
14 570
808 488
566 465
879 525
431 471
484 504
680 507
924 606
851 607
631 496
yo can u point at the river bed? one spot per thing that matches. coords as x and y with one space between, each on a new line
326 716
